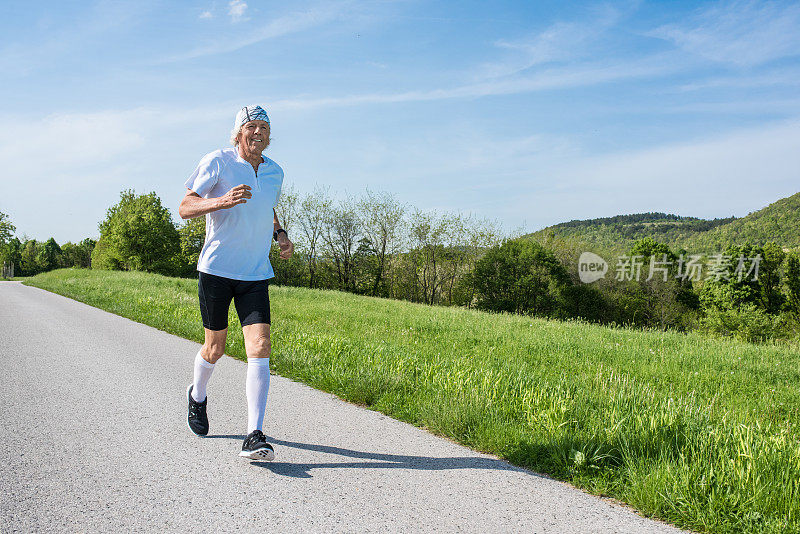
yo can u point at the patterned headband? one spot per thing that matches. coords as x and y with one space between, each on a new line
250 113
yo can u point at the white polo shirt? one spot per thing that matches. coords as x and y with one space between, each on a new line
238 239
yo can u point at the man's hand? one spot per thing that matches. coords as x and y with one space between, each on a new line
287 247
236 195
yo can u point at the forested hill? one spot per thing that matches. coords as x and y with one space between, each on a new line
779 222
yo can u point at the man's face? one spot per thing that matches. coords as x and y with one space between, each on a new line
254 136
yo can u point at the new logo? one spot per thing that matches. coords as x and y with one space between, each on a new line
591 267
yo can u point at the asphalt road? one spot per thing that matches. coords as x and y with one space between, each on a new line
93 438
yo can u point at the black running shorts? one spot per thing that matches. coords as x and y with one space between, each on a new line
251 299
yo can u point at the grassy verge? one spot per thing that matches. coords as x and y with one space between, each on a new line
698 431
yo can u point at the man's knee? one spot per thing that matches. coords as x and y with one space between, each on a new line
260 346
256 340
214 346
213 352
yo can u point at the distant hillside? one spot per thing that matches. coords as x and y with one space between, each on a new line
779 222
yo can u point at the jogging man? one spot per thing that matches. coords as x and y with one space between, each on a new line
237 190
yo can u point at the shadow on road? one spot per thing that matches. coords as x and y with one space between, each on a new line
375 460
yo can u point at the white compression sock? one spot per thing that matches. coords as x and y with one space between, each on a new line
257 389
202 373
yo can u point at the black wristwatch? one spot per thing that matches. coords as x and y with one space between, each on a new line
276 232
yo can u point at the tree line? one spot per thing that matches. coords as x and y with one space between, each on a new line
29 256
371 244
755 307
374 245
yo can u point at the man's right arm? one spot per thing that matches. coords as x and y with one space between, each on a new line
193 205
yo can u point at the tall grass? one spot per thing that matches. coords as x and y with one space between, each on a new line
698 431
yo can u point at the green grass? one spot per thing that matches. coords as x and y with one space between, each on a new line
701 432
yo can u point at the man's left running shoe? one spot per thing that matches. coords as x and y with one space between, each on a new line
255 447
197 420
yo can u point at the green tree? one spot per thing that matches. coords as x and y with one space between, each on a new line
648 247
430 236
138 234
793 283
77 254
6 229
29 254
6 232
192 237
381 221
68 253
49 256
11 252
668 298
744 299
521 276
769 278
341 236
311 216
734 284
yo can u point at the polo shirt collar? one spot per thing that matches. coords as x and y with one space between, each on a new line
242 160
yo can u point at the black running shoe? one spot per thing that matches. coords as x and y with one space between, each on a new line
255 447
198 420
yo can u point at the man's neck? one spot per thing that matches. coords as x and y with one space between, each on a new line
253 159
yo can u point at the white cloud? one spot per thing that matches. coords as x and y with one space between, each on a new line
236 9
206 15
742 33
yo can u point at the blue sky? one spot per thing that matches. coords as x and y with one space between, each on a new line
530 113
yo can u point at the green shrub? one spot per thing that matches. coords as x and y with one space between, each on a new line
747 323
105 257
138 235
521 276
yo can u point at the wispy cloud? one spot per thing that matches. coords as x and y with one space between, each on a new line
779 77
206 15
742 33
277 27
560 42
579 75
237 9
